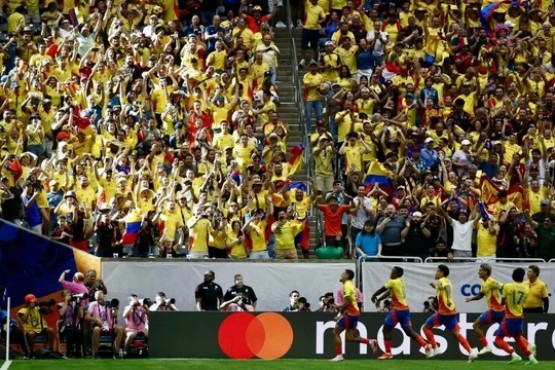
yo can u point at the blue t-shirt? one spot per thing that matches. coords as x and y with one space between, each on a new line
368 243
32 212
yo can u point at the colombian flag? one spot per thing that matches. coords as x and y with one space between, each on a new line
296 159
378 174
132 227
75 17
487 12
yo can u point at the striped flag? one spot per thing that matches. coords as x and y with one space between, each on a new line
296 159
487 12
133 223
75 17
378 174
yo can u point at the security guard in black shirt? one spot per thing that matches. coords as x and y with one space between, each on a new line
240 289
209 295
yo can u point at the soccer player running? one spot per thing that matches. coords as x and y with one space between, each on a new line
348 317
491 289
446 315
395 288
514 296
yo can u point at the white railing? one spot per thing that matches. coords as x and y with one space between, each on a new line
485 259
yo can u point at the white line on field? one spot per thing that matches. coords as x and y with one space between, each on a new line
6 365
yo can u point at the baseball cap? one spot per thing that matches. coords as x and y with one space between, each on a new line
544 202
329 43
323 137
30 298
257 8
53 182
428 140
417 214
466 142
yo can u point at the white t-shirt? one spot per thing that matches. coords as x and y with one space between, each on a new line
462 235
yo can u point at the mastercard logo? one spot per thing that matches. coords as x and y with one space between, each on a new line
243 335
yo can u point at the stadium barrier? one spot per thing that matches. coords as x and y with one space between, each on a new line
271 281
464 277
271 335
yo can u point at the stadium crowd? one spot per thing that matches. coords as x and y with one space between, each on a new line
152 128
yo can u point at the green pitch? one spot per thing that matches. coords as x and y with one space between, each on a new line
266 365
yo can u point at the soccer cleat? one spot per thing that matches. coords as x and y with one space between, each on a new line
386 356
373 346
483 351
473 356
431 352
532 360
533 349
337 358
514 359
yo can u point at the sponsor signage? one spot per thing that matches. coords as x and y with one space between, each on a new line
271 335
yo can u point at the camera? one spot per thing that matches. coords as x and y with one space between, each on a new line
167 301
113 303
50 303
144 302
78 297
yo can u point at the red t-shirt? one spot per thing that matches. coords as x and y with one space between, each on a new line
333 218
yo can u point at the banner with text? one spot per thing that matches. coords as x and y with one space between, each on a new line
271 335
272 282
463 276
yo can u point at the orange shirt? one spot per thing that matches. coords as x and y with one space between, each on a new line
333 218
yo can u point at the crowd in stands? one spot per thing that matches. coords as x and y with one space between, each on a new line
152 128
434 126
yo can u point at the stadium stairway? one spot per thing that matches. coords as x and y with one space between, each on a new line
288 110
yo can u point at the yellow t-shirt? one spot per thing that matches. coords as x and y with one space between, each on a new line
285 239
257 233
537 291
200 233
313 14
311 83
487 243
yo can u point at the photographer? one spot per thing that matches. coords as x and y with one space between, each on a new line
77 286
102 317
163 304
327 303
136 319
241 290
31 316
69 324
239 303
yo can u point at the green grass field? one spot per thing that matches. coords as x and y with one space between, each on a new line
266 365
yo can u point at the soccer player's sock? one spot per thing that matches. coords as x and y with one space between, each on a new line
421 341
430 337
339 350
523 345
462 340
484 341
387 344
365 340
499 342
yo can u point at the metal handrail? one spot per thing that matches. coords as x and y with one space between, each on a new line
486 259
412 258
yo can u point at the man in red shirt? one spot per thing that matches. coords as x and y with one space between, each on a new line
333 212
256 19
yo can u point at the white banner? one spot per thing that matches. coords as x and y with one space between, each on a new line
463 276
272 282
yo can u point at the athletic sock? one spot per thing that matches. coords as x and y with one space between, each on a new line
430 337
499 342
387 343
523 345
339 349
462 340
421 341
484 341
